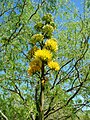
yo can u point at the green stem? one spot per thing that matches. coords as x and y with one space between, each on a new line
42 95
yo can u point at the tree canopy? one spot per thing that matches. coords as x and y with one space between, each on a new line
44 60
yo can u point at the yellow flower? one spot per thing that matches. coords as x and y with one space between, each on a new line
32 52
37 37
53 65
44 80
53 25
47 18
36 62
47 30
30 71
38 26
43 54
33 70
51 44
35 66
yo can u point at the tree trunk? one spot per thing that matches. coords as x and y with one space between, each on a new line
42 102
40 114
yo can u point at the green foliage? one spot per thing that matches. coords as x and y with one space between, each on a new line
68 91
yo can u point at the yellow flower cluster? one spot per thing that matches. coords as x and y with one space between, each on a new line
32 51
38 26
37 37
36 62
35 66
43 54
53 65
52 24
47 30
47 18
51 44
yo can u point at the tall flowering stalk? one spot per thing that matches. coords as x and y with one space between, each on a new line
42 57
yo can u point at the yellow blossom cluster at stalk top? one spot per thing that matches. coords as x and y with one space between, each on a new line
32 52
43 54
54 65
37 37
35 66
47 30
38 26
51 44
45 46
36 62
47 18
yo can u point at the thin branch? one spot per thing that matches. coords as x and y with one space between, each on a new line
69 98
72 88
9 9
59 73
66 76
10 38
3 115
78 76
19 93
16 90
31 115
49 108
39 5
81 84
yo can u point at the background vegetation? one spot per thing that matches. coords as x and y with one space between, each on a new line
67 92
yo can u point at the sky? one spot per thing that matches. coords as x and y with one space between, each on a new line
78 4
